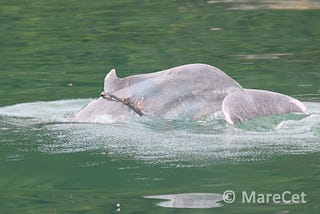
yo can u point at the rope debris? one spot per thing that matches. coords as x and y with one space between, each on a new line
126 101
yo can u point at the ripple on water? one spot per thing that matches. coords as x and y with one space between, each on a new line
48 124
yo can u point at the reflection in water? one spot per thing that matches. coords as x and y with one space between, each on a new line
215 28
271 4
189 200
262 56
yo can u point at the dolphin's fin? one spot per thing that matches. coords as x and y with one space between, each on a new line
109 80
249 103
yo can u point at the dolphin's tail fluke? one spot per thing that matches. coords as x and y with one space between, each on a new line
248 103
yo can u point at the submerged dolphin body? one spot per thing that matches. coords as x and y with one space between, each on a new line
185 92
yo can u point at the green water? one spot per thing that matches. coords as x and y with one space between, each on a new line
49 165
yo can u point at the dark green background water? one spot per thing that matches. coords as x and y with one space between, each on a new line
45 45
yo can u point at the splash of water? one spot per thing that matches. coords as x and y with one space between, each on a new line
183 143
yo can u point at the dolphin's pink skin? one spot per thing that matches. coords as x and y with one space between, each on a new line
186 92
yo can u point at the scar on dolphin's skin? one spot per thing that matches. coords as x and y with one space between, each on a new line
139 104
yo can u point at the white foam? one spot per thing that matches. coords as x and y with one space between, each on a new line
59 110
160 141
107 119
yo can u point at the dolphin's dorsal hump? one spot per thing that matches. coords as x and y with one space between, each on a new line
244 105
109 81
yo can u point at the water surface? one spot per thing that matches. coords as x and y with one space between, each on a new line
54 56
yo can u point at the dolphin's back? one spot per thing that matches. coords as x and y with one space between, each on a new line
248 104
182 91
189 91
194 75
